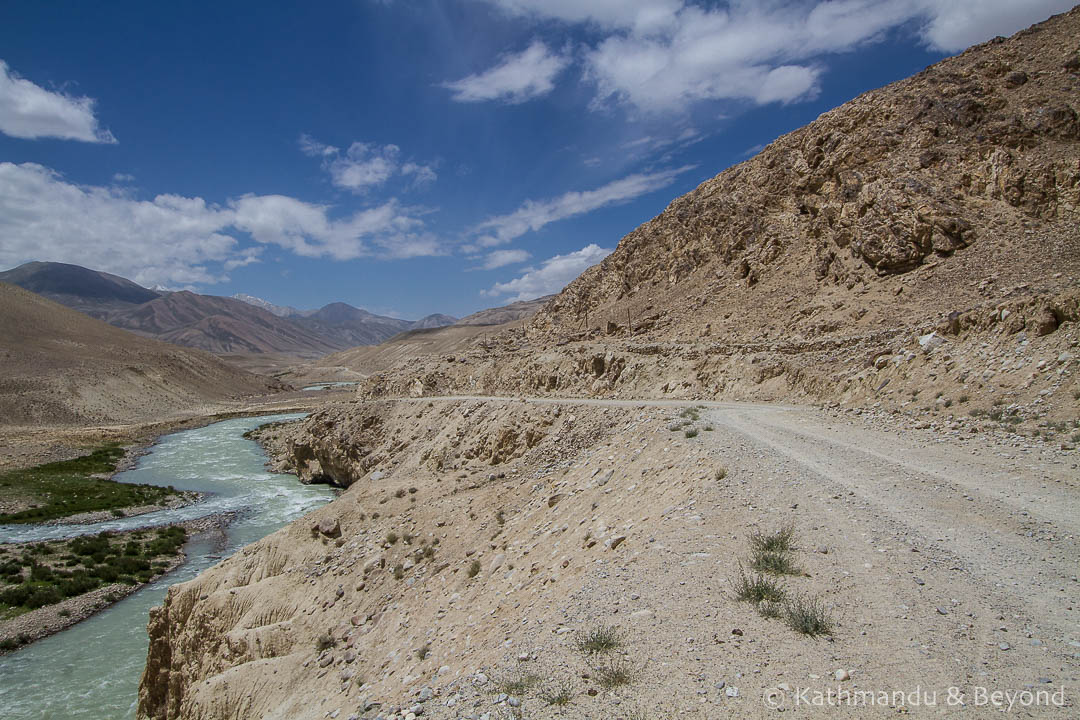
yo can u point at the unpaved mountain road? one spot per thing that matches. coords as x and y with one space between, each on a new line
950 558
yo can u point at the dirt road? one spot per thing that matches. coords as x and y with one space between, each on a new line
951 559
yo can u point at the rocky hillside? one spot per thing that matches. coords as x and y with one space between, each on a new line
479 543
521 310
969 167
61 367
947 203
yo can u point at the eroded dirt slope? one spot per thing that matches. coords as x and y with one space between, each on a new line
941 564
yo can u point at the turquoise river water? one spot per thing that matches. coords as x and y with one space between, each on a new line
92 669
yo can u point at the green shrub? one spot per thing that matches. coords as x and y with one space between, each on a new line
774 563
807 615
758 588
557 693
598 640
781 541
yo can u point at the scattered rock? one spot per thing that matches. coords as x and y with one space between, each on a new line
330 527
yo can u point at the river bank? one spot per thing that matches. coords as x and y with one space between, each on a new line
23 446
63 675
34 625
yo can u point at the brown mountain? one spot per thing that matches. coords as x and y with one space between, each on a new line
345 326
59 366
967 170
435 320
454 340
217 324
221 325
93 292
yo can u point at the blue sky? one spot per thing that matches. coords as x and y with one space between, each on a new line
412 156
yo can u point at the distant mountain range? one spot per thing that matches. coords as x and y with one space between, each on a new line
61 367
240 324
279 310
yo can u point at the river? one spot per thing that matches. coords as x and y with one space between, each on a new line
92 669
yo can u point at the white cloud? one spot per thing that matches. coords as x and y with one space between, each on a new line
552 276
178 241
365 166
502 258
664 55
643 15
313 148
170 240
422 174
953 26
123 178
517 78
535 214
29 111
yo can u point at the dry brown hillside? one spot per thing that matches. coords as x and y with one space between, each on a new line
61 367
944 203
964 173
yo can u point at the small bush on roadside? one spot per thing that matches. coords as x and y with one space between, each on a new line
598 640
758 588
557 693
517 683
807 615
781 541
614 673
774 563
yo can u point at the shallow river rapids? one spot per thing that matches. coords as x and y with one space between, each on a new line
92 669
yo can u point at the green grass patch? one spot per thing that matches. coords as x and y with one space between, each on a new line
517 682
613 673
781 541
67 487
557 693
40 574
774 563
